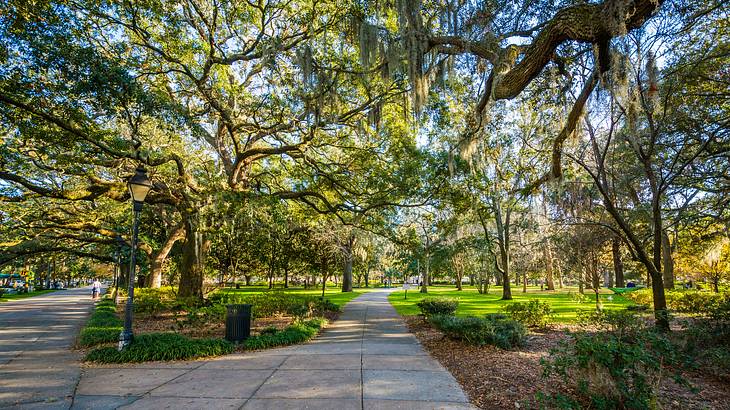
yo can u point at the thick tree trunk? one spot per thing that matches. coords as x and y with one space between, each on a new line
158 258
549 267
524 281
367 275
347 274
618 265
193 259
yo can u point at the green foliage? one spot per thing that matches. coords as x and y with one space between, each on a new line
683 301
614 321
533 313
438 306
161 346
621 291
274 303
297 332
149 301
269 330
578 297
617 368
707 340
697 302
103 326
199 316
488 330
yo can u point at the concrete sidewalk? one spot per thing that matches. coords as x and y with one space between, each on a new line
38 369
366 360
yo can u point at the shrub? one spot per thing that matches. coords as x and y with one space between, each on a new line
161 346
269 330
618 368
578 297
196 317
297 332
491 329
274 303
153 301
707 340
692 301
103 326
437 306
533 313
683 301
621 321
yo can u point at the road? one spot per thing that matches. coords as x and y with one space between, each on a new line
38 369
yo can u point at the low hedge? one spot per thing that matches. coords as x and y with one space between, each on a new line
437 306
683 301
297 332
494 329
273 303
103 326
533 313
161 347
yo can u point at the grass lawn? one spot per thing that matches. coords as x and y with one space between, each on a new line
7 297
474 304
333 293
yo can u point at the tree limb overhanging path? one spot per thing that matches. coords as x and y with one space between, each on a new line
38 369
365 360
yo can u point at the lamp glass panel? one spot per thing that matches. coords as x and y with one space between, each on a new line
139 192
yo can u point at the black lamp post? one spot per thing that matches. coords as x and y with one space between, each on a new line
139 186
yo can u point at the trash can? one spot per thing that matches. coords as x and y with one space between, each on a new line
238 322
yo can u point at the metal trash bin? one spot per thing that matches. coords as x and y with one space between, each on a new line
238 322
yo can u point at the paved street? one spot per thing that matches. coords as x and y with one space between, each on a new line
367 359
38 369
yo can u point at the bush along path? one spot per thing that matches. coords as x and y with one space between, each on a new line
103 328
365 359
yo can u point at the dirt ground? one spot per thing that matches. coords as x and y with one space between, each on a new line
510 379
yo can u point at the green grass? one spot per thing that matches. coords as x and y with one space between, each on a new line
471 303
334 294
15 296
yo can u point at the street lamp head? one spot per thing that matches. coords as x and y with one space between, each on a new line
139 185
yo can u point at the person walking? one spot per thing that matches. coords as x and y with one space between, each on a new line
95 289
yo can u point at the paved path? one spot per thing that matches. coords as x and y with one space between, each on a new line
366 359
38 369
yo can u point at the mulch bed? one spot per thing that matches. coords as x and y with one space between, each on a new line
509 379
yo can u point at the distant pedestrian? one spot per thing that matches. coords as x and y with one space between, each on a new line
95 289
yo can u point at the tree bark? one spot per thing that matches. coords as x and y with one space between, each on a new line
668 262
158 258
549 267
347 274
424 278
193 259
618 265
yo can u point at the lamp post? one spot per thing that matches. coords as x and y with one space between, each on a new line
139 186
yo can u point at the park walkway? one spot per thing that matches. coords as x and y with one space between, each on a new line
38 369
366 359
